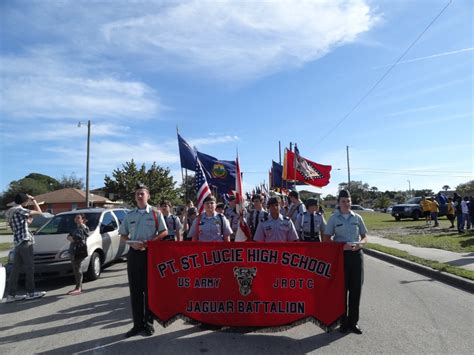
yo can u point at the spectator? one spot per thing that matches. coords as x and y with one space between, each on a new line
434 209
76 237
426 208
450 212
23 241
458 210
465 212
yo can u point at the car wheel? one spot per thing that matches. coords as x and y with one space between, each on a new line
95 267
416 215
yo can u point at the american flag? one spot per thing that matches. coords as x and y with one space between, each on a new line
202 188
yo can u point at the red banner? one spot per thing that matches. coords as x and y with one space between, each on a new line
246 284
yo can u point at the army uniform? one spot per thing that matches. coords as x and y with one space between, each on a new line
173 224
210 229
233 218
281 229
254 218
310 226
348 229
140 225
295 210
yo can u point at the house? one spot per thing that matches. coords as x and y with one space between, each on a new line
329 203
69 199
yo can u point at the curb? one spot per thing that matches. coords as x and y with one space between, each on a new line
452 280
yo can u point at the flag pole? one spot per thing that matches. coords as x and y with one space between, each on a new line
182 175
279 150
294 166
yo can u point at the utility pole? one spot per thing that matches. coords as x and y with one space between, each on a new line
87 159
409 188
348 170
87 164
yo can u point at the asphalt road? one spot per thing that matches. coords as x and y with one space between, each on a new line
401 312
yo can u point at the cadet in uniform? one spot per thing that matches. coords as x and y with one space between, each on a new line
220 207
172 222
210 226
232 215
275 228
257 215
349 228
191 215
139 227
296 206
310 224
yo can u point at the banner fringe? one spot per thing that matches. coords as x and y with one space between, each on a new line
247 329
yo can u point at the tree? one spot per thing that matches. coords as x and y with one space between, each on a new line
446 187
423 192
33 184
359 190
330 197
123 182
188 188
70 181
466 189
382 202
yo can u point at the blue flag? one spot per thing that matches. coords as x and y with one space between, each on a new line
219 173
186 154
277 179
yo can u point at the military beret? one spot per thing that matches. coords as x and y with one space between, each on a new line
312 202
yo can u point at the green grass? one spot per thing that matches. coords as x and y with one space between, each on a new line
4 260
5 246
377 220
461 243
468 274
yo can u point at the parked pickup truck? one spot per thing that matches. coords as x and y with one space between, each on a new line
412 209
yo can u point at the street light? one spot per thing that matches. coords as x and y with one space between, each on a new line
87 161
409 188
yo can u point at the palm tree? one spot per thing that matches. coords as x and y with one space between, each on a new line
446 187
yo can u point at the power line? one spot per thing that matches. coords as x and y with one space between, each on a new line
384 75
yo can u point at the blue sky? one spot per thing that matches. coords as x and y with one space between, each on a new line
239 75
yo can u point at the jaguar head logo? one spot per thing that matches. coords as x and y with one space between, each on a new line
245 276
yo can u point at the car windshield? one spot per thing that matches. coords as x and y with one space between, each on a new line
414 200
65 223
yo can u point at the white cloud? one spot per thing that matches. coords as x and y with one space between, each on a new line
236 39
45 84
108 155
65 131
198 142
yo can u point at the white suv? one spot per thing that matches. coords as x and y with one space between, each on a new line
51 248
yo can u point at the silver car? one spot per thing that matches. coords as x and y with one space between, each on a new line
51 248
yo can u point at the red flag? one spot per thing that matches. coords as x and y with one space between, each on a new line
304 170
243 231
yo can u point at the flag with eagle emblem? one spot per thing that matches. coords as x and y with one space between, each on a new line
297 168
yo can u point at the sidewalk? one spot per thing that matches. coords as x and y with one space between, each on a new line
462 260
